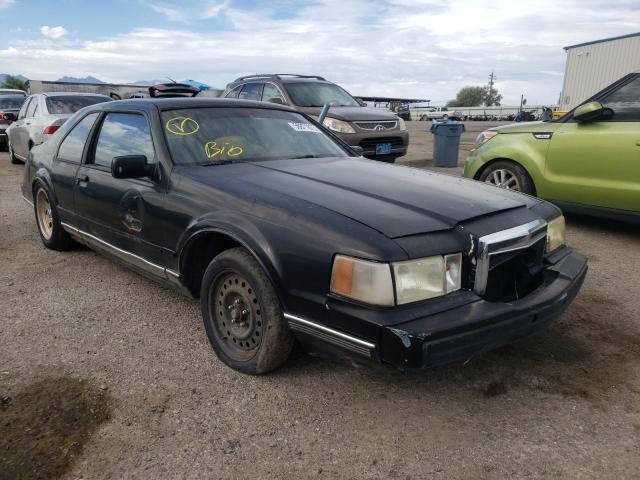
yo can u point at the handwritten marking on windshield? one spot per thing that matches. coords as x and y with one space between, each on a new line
212 150
182 125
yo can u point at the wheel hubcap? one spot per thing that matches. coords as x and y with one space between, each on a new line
45 218
236 315
504 179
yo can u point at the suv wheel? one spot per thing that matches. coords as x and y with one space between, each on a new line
242 314
508 175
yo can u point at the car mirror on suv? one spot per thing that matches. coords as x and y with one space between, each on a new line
9 117
588 112
277 100
361 102
132 166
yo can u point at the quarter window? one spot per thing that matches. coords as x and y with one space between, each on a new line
625 102
251 91
72 146
234 93
123 134
23 111
31 109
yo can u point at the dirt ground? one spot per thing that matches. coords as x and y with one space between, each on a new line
104 374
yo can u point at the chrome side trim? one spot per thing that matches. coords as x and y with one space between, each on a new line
119 252
330 335
173 273
27 200
516 238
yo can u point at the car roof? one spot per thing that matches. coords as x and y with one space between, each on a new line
12 91
73 94
187 102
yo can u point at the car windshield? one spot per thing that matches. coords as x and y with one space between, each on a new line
68 104
8 102
205 136
315 94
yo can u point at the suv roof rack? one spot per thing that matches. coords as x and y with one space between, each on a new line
278 75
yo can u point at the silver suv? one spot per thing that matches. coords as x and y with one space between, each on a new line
41 115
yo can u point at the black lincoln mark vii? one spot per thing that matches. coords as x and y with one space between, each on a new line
284 232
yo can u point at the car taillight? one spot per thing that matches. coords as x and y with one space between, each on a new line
1 116
51 129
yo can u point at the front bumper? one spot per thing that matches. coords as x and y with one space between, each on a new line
480 326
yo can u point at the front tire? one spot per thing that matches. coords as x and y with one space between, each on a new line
52 233
242 314
508 175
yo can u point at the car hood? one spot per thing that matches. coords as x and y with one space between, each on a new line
528 127
396 201
351 114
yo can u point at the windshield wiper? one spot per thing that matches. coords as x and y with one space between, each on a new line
213 164
302 156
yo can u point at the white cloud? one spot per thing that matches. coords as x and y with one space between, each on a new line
187 13
53 32
404 48
6 3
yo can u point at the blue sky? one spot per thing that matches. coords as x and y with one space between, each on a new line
408 48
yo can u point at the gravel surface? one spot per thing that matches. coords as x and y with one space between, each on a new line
104 374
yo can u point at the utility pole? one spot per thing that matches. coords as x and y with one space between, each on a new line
492 79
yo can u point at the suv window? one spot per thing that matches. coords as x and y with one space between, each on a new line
625 102
317 94
72 146
123 134
234 93
271 91
251 91
32 107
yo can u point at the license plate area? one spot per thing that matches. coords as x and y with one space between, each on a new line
383 148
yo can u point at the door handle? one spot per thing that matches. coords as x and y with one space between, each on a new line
82 179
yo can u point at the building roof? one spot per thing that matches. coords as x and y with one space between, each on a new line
636 34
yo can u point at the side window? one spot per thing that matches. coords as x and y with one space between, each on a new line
123 134
234 93
23 110
32 107
72 146
251 91
625 102
271 91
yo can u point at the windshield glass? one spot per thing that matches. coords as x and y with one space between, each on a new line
9 102
201 136
314 94
61 105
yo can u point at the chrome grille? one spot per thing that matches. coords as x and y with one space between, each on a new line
377 126
512 239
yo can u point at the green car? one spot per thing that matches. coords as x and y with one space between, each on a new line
587 161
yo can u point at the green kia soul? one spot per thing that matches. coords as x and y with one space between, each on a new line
587 161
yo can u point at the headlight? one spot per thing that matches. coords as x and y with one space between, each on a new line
484 137
337 125
415 280
555 233
401 124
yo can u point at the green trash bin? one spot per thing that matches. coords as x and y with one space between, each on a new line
446 143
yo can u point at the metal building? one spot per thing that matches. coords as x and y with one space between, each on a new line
591 66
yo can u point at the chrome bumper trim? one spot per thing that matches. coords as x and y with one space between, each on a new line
27 200
516 238
330 335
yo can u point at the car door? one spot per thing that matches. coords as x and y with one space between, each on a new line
123 214
65 167
19 130
598 163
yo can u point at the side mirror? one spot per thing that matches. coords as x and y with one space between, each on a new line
357 148
9 117
361 102
588 112
132 166
276 100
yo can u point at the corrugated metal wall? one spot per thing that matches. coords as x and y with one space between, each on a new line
590 68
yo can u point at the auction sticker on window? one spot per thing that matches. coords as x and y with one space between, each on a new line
304 127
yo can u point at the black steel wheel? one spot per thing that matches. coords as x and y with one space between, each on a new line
242 314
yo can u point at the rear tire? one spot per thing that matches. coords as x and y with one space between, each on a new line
508 175
12 156
52 233
242 314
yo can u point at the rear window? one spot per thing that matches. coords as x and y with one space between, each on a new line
10 102
61 105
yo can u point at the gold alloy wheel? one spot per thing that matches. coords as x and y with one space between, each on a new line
43 212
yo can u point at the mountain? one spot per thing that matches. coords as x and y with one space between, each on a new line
87 79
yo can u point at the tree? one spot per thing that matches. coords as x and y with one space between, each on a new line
14 82
491 96
468 97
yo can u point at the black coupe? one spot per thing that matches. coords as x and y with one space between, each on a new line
283 231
